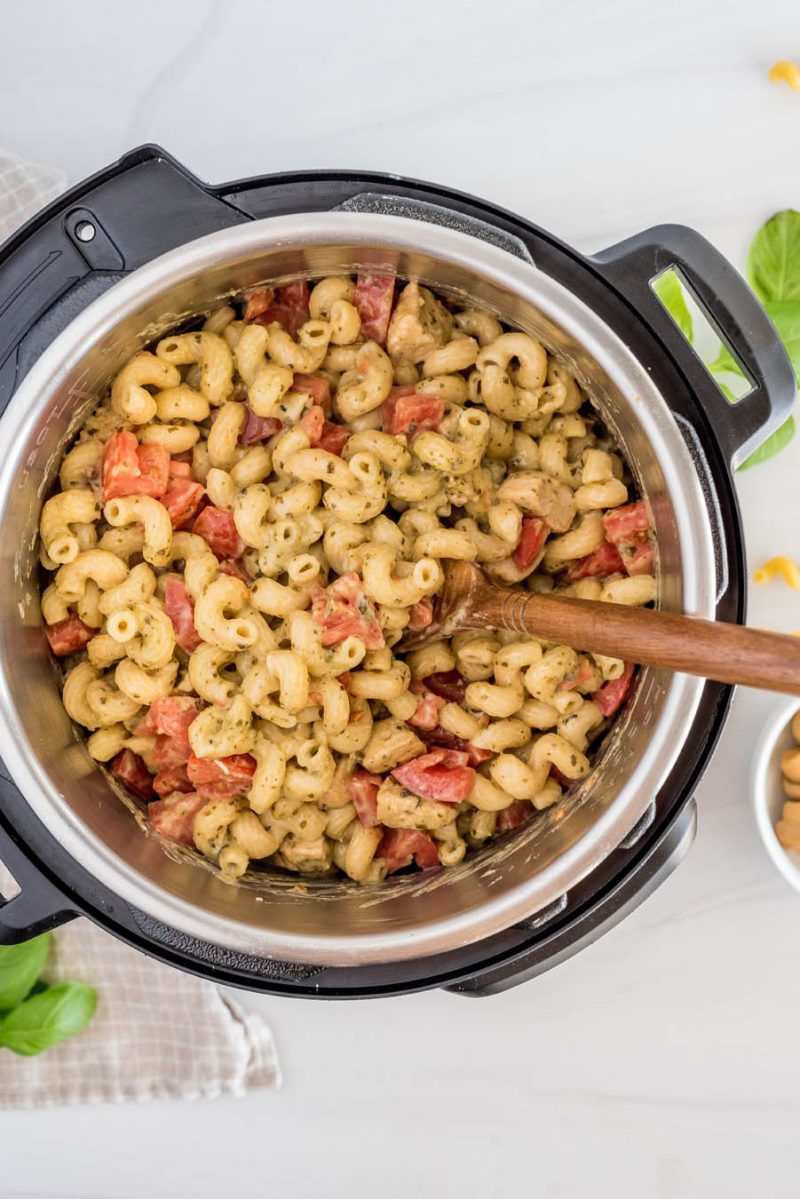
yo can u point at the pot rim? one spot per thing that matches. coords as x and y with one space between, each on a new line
682 692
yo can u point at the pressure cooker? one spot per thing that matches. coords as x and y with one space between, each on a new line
143 248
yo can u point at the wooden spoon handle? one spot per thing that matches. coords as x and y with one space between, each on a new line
728 653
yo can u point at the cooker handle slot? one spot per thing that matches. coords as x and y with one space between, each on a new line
733 311
38 906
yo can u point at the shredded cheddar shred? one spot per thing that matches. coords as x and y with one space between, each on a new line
785 72
779 566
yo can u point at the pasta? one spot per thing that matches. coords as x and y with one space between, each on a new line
254 515
785 71
787 827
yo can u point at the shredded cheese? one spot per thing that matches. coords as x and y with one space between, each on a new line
779 566
785 72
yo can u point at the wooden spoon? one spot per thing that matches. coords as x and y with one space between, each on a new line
728 653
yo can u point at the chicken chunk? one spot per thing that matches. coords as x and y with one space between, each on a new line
541 496
400 808
391 743
306 857
419 324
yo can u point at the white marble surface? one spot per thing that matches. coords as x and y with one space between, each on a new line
662 1061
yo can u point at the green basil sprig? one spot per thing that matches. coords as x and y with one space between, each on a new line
45 1019
34 1016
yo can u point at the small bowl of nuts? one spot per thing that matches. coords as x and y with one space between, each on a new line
776 791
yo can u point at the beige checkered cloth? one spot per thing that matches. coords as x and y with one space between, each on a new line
157 1033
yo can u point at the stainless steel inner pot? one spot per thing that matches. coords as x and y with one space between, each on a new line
336 922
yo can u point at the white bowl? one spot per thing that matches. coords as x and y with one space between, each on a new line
768 795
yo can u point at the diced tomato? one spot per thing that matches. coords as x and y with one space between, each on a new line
173 779
334 437
147 725
345 678
428 708
604 561
171 716
258 302
182 500
343 610
447 683
439 738
323 433
442 774
231 567
222 778
180 609
289 307
154 463
374 300
69 635
628 523
530 546
217 527
402 389
130 769
120 463
132 469
421 614
411 413
629 528
398 846
288 318
514 816
610 697
584 677
317 386
167 754
638 559
312 422
364 796
174 816
179 468
258 428
294 295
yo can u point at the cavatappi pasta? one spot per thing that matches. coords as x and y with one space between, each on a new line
256 513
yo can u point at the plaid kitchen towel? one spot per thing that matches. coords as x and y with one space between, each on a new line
157 1033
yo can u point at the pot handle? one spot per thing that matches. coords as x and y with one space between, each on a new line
732 309
139 207
38 906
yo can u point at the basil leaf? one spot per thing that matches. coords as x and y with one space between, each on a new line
773 445
773 266
48 1018
669 291
725 389
724 363
785 316
20 966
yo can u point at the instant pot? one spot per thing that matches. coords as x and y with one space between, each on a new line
143 247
